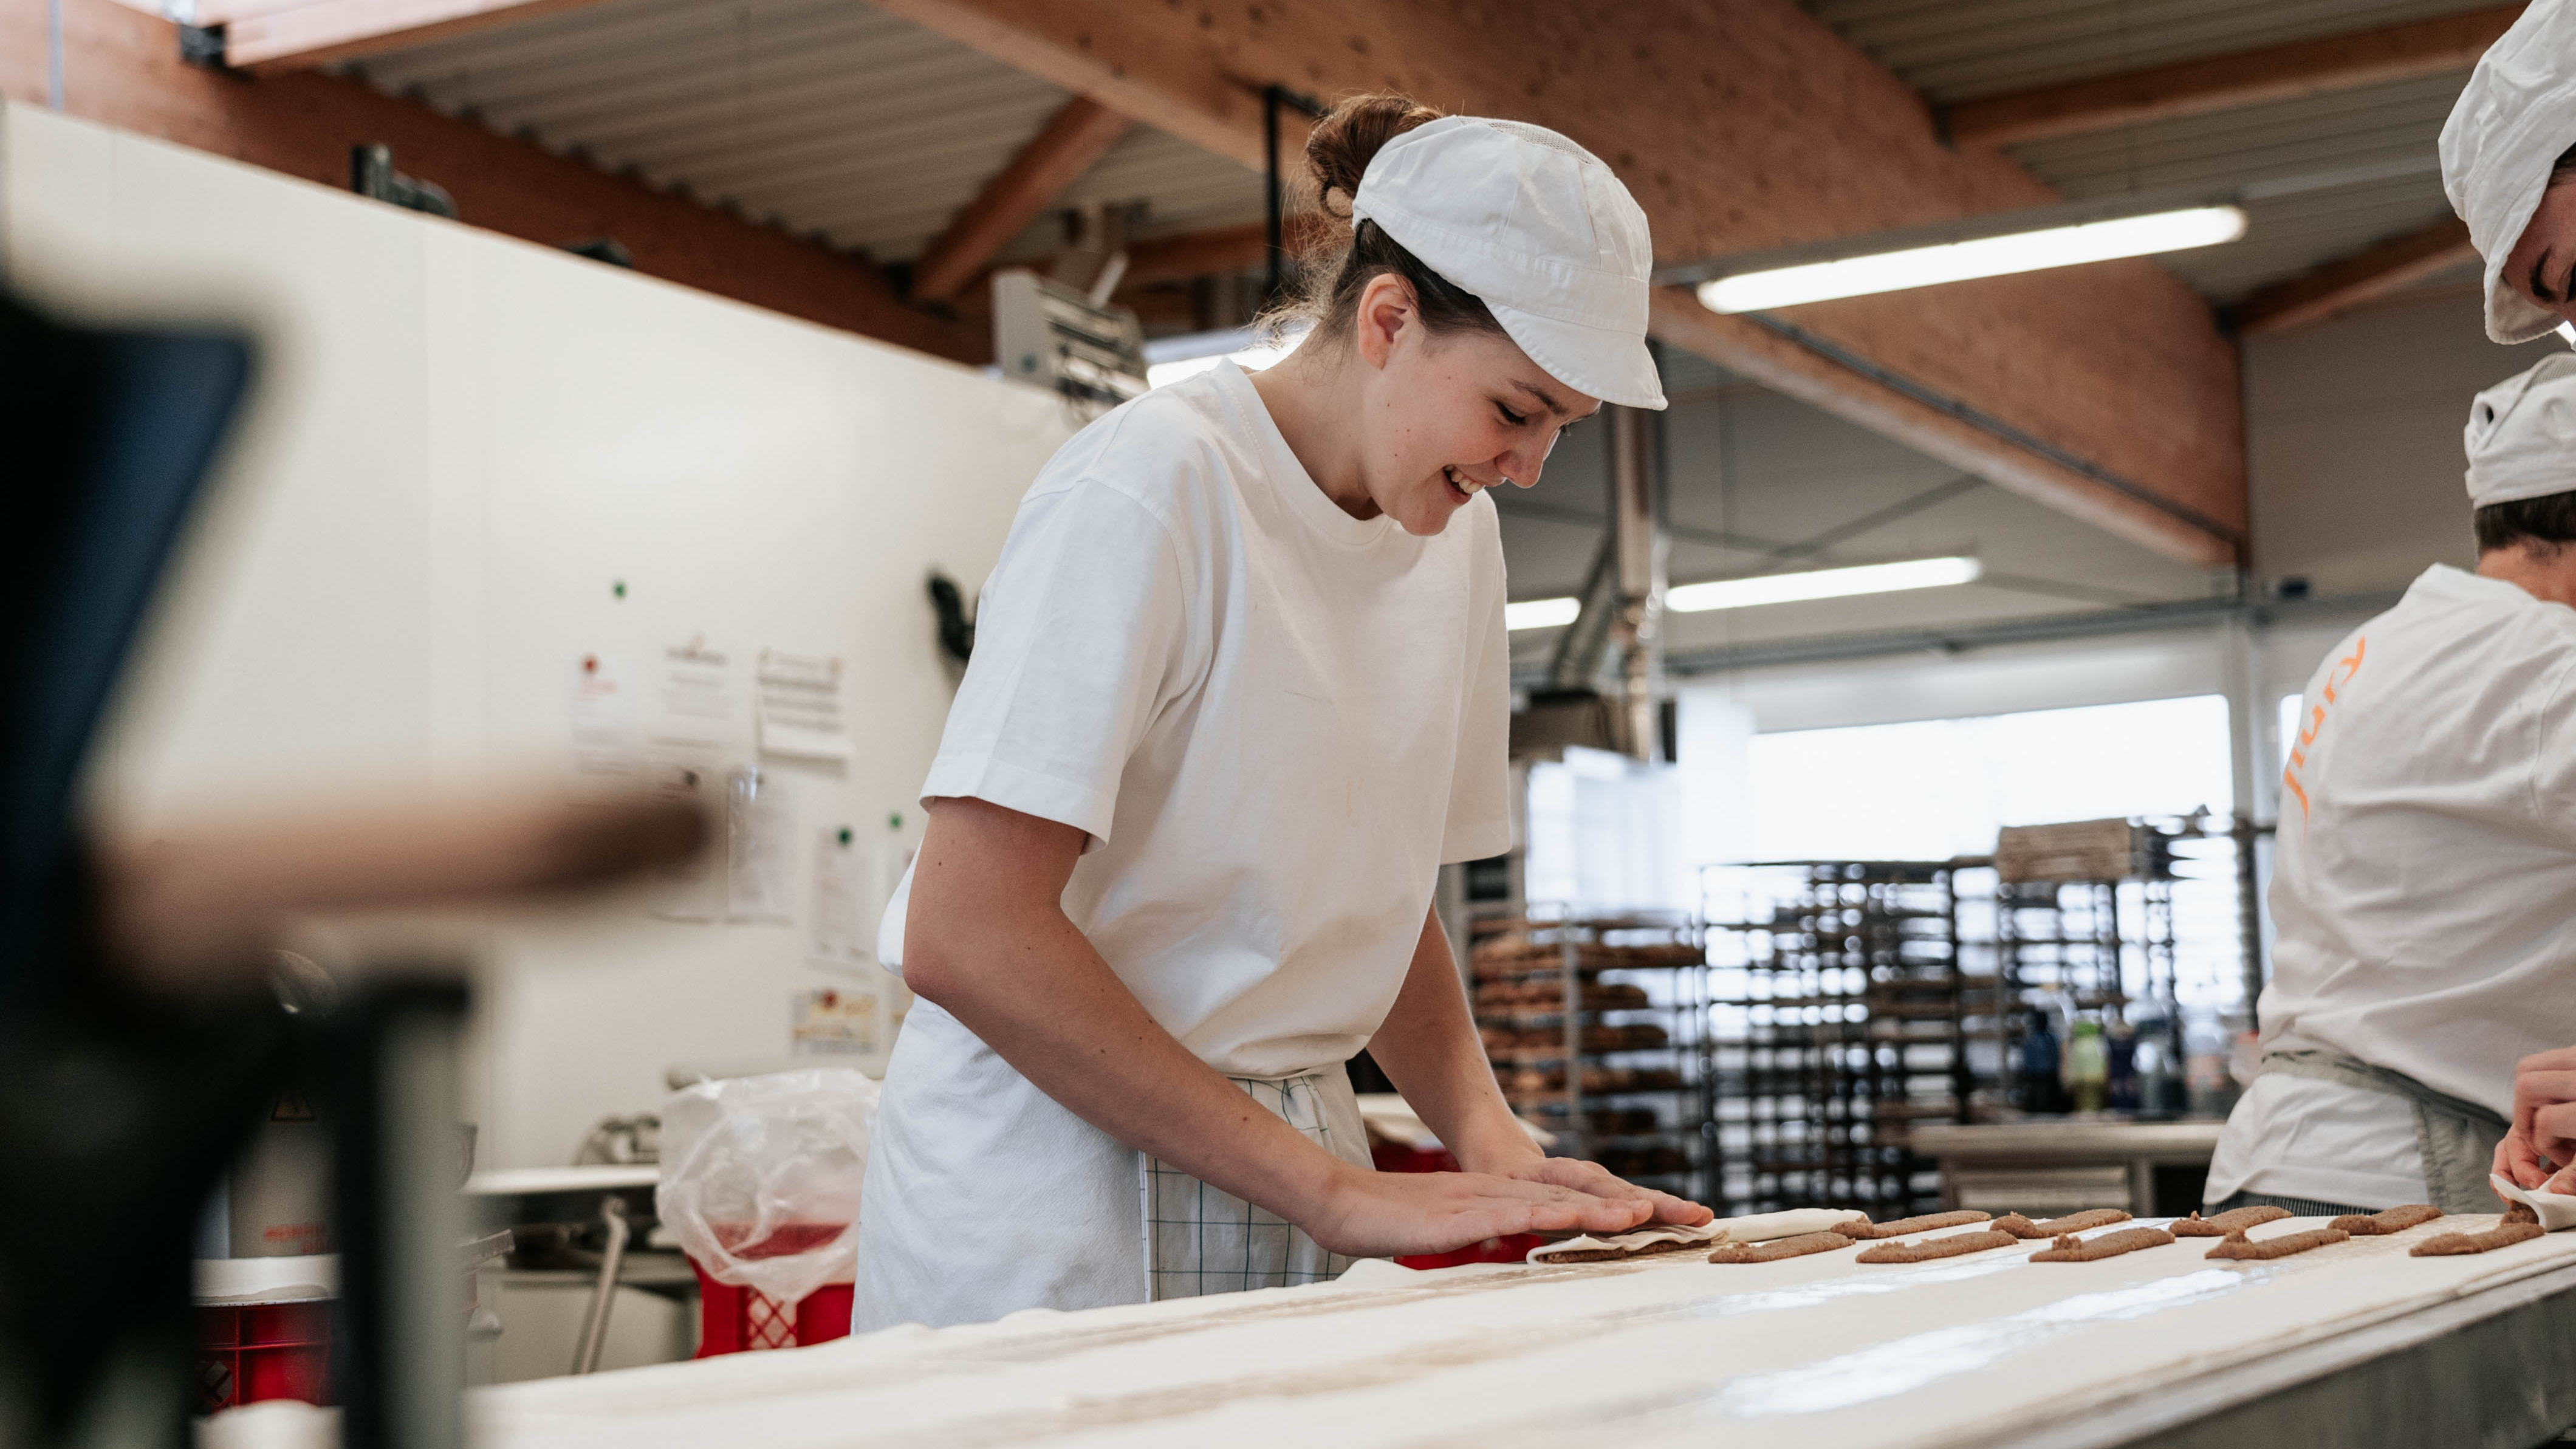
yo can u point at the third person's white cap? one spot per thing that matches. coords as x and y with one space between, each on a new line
2514 118
1539 230
2522 435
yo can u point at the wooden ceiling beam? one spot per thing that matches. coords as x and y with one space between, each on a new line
1791 135
2226 82
303 36
1198 254
2347 282
122 69
1069 144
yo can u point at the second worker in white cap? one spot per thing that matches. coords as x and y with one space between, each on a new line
2424 888
1239 688
2509 164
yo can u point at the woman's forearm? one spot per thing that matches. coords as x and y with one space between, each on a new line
996 951
1428 1047
987 939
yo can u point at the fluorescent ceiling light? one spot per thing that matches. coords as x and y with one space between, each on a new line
2567 333
1168 360
1959 261
1886 578
1541 613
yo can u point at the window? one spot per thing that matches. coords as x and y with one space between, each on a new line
1935 789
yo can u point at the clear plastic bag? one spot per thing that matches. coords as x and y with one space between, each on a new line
760 1177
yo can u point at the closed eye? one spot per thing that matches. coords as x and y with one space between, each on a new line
1510 418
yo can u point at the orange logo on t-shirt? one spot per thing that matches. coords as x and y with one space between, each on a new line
2342 673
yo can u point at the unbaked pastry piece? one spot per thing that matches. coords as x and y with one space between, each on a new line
2022 1227
2238 1246
2234 1220
2520 1212
2504 1234
1779 1248
1927 1249
2392 1220
2071 1249
1864 1228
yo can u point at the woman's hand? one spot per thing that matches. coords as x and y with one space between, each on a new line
2543 1135
1599 1181
1369 1214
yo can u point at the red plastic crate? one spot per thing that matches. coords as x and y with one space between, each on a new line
249 1352
1391 1157
739 1320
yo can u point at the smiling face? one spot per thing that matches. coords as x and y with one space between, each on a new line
1444 416
2542 266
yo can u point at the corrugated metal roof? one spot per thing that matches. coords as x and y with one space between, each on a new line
824 116
1953 50
2375 144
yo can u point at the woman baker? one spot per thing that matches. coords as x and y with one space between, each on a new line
1240 687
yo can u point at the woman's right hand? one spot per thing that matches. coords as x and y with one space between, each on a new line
1366 1214
2543 1137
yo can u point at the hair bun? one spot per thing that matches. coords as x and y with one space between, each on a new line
1342 144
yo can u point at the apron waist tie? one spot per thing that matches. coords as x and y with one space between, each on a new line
2456 1138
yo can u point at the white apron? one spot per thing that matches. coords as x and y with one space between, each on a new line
985 1196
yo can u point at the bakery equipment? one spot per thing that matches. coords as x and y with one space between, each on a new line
593 1224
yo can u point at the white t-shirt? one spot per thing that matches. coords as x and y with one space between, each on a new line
1275 721
2424 887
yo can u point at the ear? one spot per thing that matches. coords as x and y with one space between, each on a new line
1386 310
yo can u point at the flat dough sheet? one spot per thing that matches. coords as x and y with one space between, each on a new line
1667 1238
1817 1352
1758 1228
2556 1209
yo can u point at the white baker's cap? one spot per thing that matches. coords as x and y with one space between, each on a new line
2522 435
1539 230
2516 116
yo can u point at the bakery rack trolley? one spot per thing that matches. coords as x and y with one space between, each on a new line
1835 1029
2081 919
1596 1026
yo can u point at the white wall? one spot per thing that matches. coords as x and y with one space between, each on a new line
459 444
2353 433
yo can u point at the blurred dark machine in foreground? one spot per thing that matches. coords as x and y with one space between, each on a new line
140 1039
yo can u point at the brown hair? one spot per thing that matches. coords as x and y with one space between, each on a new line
2544 525
1338 261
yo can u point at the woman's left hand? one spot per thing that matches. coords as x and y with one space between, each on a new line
1599 1181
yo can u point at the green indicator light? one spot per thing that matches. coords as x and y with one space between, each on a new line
618 588
845 835
895 821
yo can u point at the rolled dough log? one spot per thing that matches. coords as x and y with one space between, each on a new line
1788 1223
2022 1227
1928 1249
1864 1228
1779 1248
2234 1220
2237 1245
2071 1249
2455 1245
2392 1220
